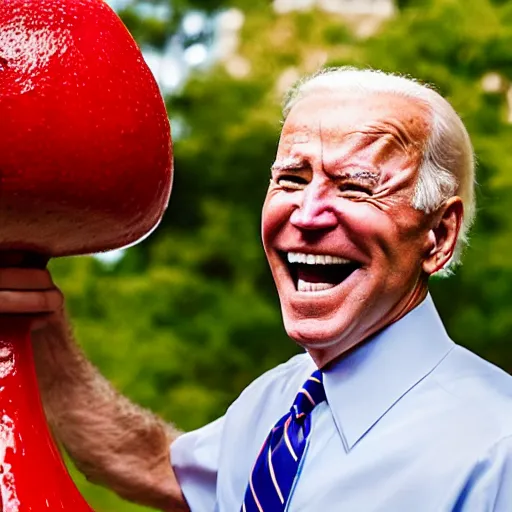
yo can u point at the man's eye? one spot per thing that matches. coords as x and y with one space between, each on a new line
355 188
291 182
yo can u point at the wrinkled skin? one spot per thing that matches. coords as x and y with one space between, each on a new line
342 185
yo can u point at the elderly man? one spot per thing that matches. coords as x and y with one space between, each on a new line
370 194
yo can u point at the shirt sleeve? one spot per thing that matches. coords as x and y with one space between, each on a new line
490 487
195 460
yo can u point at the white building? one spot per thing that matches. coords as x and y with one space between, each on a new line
379 8
364 16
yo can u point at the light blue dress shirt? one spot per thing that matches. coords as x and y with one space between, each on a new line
413 423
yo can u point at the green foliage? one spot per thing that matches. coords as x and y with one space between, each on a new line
190 316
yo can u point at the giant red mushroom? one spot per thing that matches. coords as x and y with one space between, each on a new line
85 166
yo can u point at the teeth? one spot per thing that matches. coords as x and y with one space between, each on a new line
304 286
316 259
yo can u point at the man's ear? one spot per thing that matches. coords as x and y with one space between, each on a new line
443 235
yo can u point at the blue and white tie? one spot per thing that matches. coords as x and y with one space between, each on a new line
271 479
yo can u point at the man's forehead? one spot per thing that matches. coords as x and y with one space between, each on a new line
335 115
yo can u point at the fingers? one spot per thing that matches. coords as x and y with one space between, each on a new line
28 291
25 279
30 302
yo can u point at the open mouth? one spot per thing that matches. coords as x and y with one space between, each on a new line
317 272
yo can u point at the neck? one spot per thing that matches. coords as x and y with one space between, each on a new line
330 356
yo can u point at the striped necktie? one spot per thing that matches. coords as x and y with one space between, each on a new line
277 464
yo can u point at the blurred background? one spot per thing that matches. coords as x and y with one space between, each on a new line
184 321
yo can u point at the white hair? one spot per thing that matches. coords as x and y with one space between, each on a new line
447 167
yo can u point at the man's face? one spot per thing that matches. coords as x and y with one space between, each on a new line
344 243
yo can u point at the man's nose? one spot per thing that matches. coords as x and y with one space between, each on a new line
314 211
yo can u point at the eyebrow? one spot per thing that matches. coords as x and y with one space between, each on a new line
361 174
289 164
297 164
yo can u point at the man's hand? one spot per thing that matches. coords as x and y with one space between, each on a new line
30 292
112 441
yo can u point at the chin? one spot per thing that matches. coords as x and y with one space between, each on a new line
314 334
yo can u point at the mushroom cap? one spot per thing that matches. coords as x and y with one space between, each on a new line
85 145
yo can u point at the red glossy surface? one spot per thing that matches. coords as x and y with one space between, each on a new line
85 150
32 475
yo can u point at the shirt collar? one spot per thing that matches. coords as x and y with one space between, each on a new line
363 386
